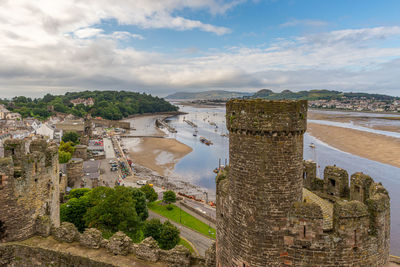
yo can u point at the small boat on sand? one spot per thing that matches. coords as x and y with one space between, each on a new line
205 141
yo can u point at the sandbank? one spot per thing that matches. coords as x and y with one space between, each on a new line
362 120
372 146
158 154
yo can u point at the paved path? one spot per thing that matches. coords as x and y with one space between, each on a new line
108 148
326 207
199 241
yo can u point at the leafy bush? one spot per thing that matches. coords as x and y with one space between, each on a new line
166 235
150 193
77 193
141 205
65 151
71 137
107 209
64 157
152 228
74 211
169 197
169 236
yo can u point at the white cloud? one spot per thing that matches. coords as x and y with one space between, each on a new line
304 22
60 45
126 35
87 32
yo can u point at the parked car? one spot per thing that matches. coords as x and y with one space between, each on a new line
141 182
113 169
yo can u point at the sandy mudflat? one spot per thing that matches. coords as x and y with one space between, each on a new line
158 154
372 146
364 120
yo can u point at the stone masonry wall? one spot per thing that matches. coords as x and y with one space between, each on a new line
29 197
74 171
265 179
261 220
68 247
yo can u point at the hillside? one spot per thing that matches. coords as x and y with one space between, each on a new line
208 95
317 95
112 105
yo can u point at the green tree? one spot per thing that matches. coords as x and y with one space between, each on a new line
64 157
59 107
169 197
141 206
152 228
169 236
113 210
67 147
74 210
77 193
71 137
65 152
150 193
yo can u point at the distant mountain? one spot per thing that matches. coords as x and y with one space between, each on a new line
317 95
208 95
285 94
263 93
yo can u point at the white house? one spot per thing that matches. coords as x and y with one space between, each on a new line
31 122
45 130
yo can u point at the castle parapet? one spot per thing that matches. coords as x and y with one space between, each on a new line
29 188
262 117
336 181
360 185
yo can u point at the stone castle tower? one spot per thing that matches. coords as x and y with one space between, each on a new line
264 215
29 189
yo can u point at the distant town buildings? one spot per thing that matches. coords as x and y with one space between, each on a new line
3 112
357 104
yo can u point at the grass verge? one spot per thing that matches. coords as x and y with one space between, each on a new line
186 244
179 216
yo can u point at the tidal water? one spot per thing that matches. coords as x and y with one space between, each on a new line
197 167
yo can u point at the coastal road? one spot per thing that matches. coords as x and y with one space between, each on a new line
199 241
201 207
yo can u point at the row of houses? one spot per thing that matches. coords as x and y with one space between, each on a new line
5 114
13 126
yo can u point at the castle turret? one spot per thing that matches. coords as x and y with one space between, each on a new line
74 171
265 179
29 189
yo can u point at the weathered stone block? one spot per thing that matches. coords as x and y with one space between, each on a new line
67 232
179 256
120 244
43 226
91 238
148 250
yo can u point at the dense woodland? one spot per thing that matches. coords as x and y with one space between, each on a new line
112 105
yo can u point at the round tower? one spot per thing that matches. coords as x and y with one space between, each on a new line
264 180
74 171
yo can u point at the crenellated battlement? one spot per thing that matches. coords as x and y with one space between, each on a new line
359 215
266 117
288 216
29 188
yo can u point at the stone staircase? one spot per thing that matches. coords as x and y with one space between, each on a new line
326 207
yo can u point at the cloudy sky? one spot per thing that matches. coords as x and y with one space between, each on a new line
164 46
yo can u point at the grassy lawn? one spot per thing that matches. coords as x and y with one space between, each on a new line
182 217
184 243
